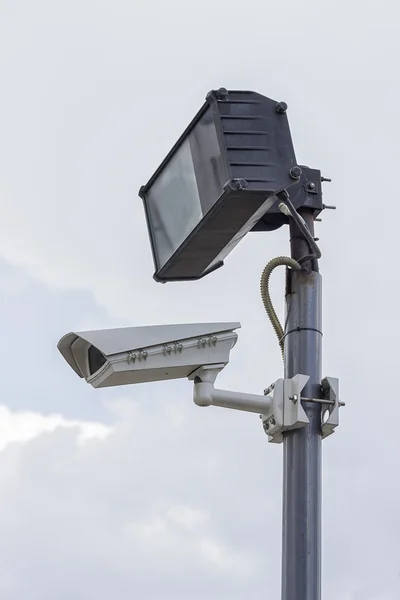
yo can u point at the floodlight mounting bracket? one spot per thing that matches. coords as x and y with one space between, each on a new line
305 194
280 408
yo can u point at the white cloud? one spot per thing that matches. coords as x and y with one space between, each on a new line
187 517
26 426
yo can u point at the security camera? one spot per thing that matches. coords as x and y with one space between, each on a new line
123 356
199 352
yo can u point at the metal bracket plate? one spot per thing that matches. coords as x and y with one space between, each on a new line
330 411
288 412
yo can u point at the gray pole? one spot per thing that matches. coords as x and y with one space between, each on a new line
301 544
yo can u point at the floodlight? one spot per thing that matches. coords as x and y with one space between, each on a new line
217 182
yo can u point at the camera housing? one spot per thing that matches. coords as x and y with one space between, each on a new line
128 355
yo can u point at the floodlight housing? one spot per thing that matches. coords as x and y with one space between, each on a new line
217 182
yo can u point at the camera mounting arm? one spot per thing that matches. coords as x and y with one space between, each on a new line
280 408
205 394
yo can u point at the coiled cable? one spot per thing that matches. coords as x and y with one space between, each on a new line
285 261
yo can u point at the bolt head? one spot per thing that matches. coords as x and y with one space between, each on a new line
311 185
281 107
241 184
269 389
221 94
295 172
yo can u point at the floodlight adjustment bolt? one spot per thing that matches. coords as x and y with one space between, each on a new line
281 107
241 184
295 172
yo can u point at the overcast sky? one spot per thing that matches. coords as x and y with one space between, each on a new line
136 492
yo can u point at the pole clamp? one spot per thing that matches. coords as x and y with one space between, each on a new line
288 411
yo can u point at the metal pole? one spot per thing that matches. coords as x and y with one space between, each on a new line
301 547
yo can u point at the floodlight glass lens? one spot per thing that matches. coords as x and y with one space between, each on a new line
96 359
174 204
187 187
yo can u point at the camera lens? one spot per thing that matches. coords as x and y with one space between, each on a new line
96 359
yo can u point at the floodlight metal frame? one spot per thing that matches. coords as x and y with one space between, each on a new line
239 176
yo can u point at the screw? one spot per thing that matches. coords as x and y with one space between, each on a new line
272 421
311 185
269 389
266 426
294 398
281 107
241 184
326 179
295 172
